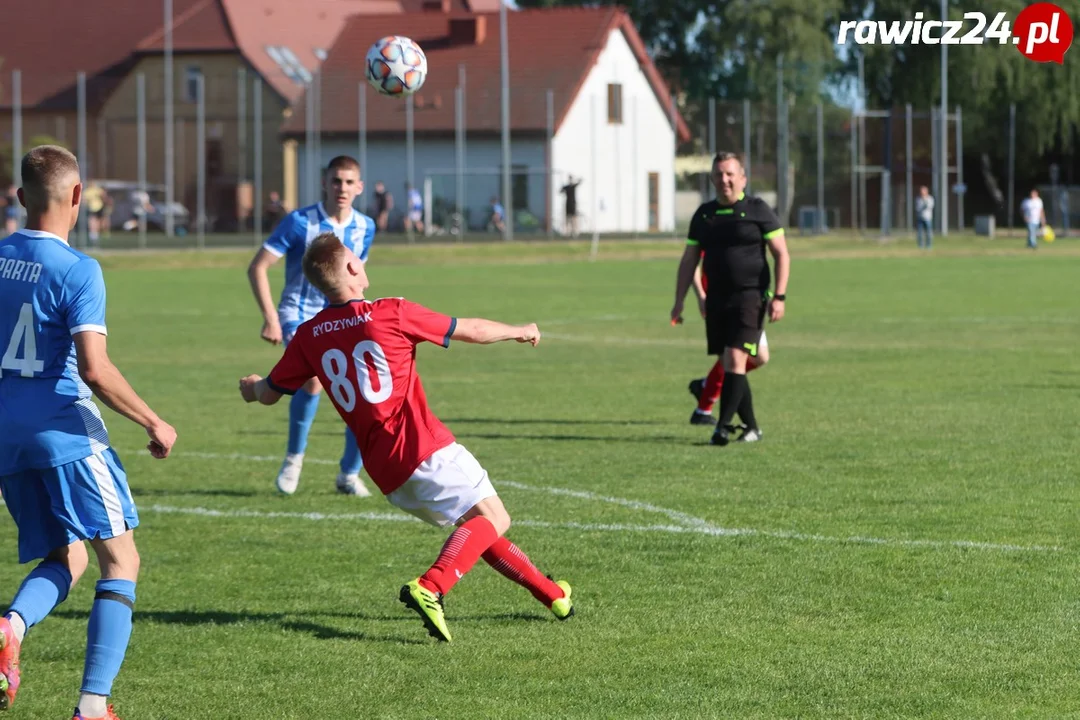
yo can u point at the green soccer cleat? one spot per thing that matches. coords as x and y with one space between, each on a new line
563 608
429 606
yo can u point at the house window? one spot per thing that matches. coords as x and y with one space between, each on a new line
191 84
614 104
519 186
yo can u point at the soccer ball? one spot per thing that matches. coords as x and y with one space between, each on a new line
396 66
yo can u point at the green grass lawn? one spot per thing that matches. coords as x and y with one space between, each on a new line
902 544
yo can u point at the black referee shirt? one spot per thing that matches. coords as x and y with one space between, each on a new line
732 238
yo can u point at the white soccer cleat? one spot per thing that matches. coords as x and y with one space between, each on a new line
750 435
288 478
352 485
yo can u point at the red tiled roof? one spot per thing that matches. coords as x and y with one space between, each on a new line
306 25
300 25
102 38
549 49
50 41
202 28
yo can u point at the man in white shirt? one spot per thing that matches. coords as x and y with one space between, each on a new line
1034 217
924 217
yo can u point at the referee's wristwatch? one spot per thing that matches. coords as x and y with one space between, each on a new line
769 295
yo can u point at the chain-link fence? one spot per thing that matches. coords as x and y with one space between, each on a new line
222 159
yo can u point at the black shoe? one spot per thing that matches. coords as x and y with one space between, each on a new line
700 418
728 431
697 387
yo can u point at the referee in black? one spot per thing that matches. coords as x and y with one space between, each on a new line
733 231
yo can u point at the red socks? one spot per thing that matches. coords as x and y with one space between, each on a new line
714 383
711 392
475 539
506 559
461 551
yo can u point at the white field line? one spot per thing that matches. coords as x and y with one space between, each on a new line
689 524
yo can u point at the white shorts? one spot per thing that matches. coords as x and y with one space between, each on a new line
445 486
763 342
416 215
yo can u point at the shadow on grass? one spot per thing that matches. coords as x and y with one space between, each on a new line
542 421
302 622
633 439
205 492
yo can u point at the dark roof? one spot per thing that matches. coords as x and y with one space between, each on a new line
552 48
103 38
82 36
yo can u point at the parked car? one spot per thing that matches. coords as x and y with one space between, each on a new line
129 203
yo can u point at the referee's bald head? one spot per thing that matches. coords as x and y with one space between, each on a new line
723 157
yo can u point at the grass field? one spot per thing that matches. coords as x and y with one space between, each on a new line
902 544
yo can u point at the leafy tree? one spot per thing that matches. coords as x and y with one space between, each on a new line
984 80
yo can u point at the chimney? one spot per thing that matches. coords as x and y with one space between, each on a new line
468 30
439 6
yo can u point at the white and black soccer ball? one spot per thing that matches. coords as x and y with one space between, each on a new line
396 66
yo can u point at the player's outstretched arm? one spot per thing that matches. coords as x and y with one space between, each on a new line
110 386
260 287
485 332
255 389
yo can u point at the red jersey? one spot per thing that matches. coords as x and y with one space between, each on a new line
364 354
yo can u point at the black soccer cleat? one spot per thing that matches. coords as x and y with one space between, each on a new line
697 387
699 418
728 431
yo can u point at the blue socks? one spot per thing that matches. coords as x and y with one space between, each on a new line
302 410
43 589
351 462
107 634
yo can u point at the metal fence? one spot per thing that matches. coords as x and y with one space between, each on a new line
207 163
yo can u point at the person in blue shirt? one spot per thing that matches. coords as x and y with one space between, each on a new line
301 301
62 482
415 218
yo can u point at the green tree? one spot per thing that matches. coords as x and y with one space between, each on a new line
984 80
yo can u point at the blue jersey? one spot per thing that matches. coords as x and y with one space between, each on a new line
48 293
300 300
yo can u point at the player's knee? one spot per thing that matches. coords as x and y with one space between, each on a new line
118 557
762 356
313 386
501 522
73 557
495 513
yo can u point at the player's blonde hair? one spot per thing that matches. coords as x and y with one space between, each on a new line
322 263
45 171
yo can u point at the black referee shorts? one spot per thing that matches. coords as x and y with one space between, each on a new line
736 323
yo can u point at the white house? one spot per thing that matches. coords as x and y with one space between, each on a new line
585 101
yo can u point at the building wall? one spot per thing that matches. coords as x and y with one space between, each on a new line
624 153
226 149
387 161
